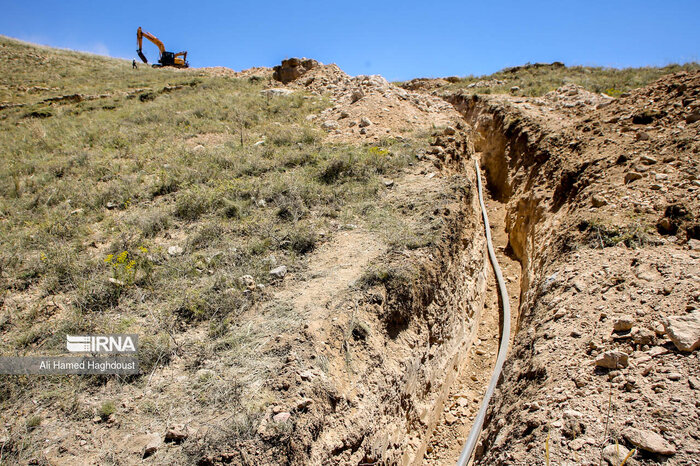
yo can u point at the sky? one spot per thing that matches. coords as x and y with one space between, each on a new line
397 39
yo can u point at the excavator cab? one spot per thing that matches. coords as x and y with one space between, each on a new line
167 59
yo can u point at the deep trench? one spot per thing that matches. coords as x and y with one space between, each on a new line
502 149
411 385
447 439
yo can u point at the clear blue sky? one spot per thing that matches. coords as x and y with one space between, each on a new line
398 39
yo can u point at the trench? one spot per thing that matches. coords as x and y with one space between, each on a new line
502 149
416 391
465 396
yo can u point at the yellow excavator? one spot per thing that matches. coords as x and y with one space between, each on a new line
178 60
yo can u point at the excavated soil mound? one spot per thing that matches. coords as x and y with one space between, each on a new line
368 108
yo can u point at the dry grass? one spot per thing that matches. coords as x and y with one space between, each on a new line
94 193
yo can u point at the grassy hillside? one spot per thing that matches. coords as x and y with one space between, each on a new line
535 80
137 206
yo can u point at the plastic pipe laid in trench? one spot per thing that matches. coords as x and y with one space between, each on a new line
505 335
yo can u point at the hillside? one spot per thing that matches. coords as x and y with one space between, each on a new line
304 262
158 202
536 79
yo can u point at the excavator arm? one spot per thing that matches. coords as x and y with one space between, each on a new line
139 41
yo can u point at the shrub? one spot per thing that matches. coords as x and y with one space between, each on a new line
154 350
600 235
106 410
302 240
33 422
191 205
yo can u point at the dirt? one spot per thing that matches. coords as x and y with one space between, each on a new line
370 109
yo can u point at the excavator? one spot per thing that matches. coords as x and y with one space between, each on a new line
178 60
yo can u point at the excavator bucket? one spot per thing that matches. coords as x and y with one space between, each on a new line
142 56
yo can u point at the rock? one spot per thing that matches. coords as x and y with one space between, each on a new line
665 225
343 114
363 131
623 323
152 444
615 454
646 160
306 375
175 250
684 331
176 434
292 69
248 281
279 272
281 417
661 177
693 117
515 89
577 443
643 336
632 176
694 383
449 131
356 95
364 122
648 441
612 359
675 376
657 351
114 281
598 201
276 92
388 183
259 143
329 125
450 418
572 414
304 404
